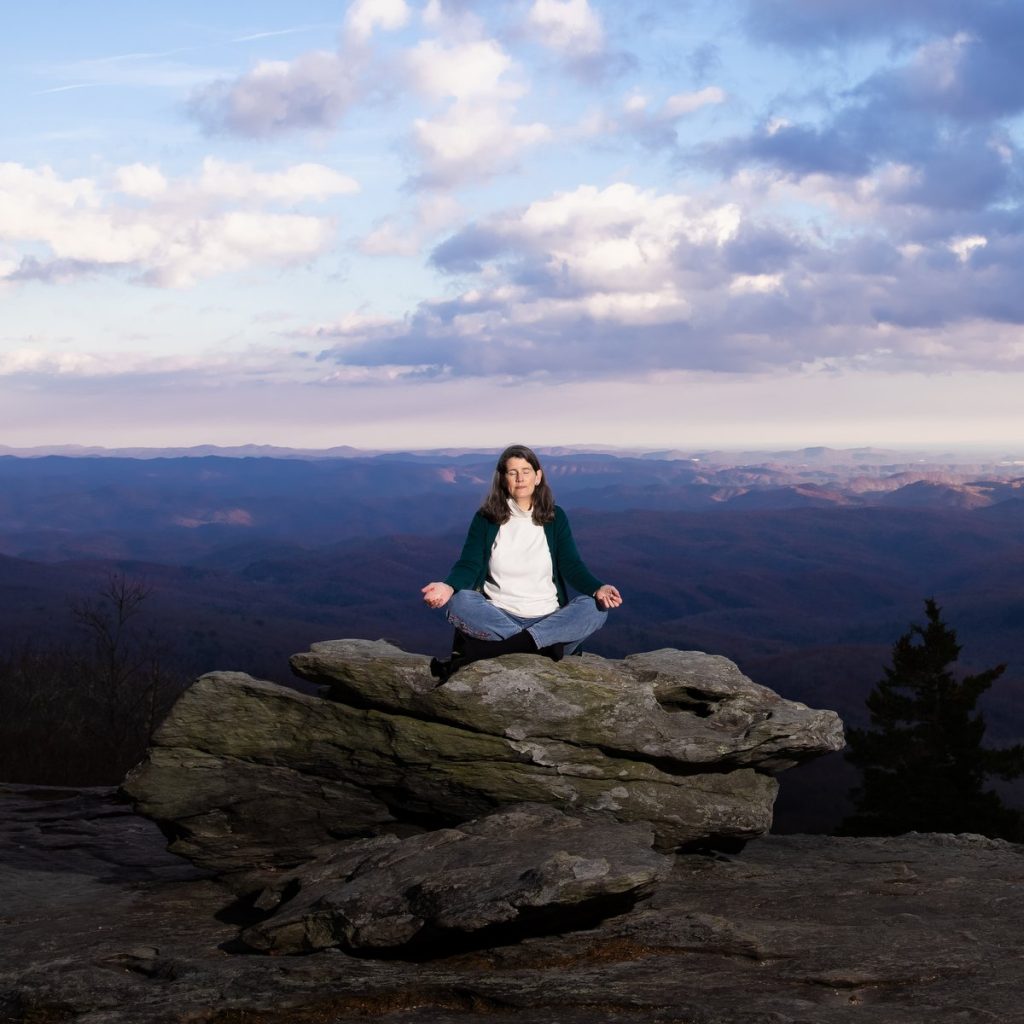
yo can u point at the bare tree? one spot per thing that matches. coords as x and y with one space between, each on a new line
83 713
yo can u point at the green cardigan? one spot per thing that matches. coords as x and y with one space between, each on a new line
470 571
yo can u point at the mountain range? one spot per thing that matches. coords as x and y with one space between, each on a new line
803 567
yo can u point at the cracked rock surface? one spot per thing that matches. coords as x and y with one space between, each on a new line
246 773
99 925
526 869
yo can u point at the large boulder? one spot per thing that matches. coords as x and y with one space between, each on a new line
246 774
526 869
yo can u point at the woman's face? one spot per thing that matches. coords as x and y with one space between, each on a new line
521 479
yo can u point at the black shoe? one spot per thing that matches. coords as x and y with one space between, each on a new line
444 670
480 650
556 652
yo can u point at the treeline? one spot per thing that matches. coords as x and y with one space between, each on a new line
81 713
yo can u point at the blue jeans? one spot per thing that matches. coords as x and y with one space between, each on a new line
471 612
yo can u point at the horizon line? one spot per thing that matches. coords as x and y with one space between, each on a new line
1003 450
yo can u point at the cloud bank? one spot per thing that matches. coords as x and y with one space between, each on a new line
572 192
161 231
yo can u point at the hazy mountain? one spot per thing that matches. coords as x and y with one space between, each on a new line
181 508
804 574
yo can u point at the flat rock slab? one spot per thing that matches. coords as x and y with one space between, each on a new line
525 870
686 708
795 930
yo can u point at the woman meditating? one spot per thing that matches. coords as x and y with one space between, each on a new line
507 592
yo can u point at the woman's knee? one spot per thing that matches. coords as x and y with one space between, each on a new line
464 600
471 612
594 614
459 606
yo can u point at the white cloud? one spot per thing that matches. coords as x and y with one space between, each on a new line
471 142
563 284
32 356
635 103
381 374
463 71
220 180
683 103
963 247
605 282
756 283
432 13
184 254
172 233
477 136
307 181
141 180
365 16
31 359
570 26
313 91
620 237
27 194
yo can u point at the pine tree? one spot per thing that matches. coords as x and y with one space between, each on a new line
922 762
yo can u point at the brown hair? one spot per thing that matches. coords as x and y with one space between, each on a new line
495 505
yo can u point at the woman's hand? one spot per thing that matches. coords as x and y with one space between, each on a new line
608 597
437 595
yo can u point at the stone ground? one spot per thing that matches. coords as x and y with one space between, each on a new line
99 925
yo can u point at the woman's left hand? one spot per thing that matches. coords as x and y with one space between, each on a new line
608 597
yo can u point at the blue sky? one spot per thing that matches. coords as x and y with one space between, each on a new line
392 223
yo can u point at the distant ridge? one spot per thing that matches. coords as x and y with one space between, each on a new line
242 451
810 456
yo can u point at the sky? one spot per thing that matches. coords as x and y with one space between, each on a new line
426 223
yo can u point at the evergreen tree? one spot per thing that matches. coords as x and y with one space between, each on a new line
922 761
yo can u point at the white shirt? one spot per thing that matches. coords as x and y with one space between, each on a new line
520 576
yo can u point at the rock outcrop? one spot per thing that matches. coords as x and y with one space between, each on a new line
518 796
248 772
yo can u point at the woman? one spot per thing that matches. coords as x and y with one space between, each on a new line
507 592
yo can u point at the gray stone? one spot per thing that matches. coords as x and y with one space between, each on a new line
683 707
247 773
796 930
513 873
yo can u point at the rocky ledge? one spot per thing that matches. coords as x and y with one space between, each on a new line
392 812
98 925
505 846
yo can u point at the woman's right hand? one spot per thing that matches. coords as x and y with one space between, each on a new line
437 595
